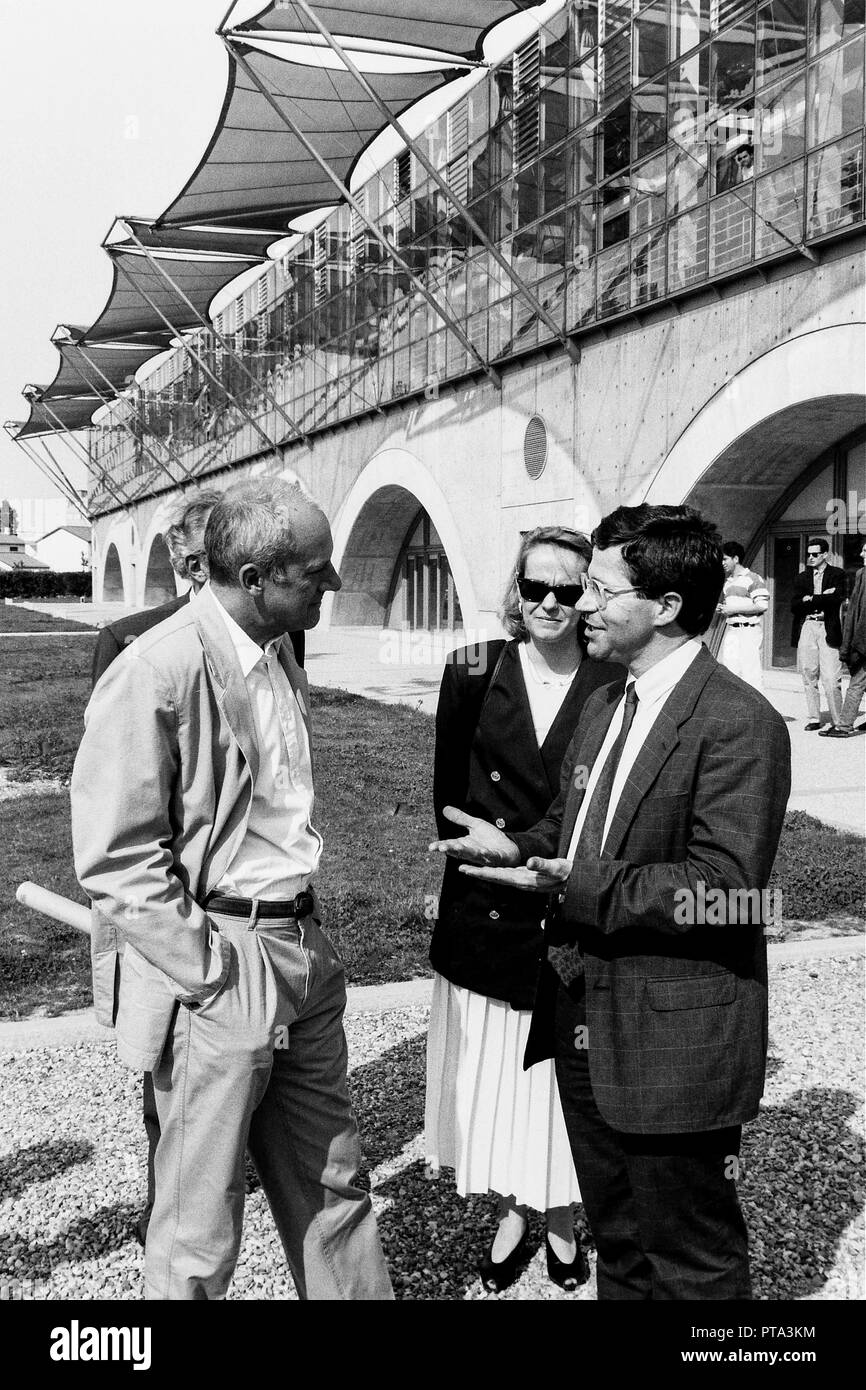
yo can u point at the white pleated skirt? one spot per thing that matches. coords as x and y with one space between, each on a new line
499 1127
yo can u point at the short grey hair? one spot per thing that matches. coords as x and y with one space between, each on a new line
186 531
511 613
253 524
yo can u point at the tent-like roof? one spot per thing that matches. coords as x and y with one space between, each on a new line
231 241
83 371
449 26
197 278
73 413
255 172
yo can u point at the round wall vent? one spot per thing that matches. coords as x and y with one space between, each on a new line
535 447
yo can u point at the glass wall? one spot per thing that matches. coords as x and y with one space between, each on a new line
628 152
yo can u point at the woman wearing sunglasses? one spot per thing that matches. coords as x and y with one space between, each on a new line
506 714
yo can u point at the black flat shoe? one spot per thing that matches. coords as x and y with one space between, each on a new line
497 1275
567 1276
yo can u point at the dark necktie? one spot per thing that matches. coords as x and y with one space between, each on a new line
566 960
591 839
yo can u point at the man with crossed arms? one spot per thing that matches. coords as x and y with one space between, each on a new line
657 1017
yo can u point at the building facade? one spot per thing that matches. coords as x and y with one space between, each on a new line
679 186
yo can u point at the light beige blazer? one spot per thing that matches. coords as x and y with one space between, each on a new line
161 794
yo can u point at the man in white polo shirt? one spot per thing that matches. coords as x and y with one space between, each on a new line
192 817
745 599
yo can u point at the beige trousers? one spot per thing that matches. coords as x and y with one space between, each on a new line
262 1066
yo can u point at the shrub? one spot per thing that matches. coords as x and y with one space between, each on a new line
33 584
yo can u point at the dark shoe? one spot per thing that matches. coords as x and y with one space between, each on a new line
497 1276
837 732
141 1226
567 1276
812 726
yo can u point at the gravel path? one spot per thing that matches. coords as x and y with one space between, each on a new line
72 1163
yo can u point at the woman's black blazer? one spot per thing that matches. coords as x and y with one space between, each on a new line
489 939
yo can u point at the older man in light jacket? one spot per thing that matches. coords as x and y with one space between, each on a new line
192 806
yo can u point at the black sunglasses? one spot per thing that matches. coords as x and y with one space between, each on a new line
534 590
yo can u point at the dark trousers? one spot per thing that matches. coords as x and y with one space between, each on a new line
662 1208
151 1125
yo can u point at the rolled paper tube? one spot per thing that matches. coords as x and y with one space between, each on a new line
54 905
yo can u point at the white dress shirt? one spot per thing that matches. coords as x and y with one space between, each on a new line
280 850
653 689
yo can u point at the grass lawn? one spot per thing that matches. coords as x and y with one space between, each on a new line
14 619
374 765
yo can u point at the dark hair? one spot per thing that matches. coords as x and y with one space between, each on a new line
669 549
822 545
734 549
511 613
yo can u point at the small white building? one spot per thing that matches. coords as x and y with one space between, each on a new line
14 554
65 548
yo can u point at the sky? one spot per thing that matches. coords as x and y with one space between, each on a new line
105 109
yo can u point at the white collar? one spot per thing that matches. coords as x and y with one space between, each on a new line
661 678
248 652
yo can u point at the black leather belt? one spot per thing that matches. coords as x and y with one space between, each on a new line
731 623
301 905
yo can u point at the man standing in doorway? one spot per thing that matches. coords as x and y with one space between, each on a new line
655 1011
816 631
192 806
745 599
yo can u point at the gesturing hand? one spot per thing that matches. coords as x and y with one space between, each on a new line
535 876
483 844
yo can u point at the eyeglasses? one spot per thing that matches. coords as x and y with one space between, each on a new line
534 590
814 554
600 593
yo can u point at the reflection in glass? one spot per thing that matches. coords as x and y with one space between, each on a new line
650 41
835 193
552 179
580 243
581 165
648 255
780 120
615 199
616 139
585 25
732 64
616 68
836 93
690 23
687 176
833 20
616 13
649 119
687 249
779 210
730 231
614 287
648 185
781 38
583 93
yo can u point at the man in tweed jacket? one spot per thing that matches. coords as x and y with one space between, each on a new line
653 998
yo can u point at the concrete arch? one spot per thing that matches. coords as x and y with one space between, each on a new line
116 551
112 576
159 579
370 528
760 431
